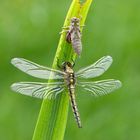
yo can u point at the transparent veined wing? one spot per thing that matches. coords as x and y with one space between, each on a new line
102 87
95 69
39 90
36 70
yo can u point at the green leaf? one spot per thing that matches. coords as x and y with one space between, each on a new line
51 123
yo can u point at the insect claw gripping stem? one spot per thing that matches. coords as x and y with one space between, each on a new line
80 18
73 63
64 29
58 64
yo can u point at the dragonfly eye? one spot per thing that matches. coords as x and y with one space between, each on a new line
75 20
64 64
69 64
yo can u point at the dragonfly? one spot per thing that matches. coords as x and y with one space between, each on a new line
65 79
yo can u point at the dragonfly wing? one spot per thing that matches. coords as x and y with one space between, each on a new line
39 90
36 70
102 87
95 69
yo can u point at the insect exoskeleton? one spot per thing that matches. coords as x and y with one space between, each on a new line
73 35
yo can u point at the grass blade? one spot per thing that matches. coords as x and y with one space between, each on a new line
51 123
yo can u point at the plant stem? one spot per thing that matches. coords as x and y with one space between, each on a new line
51 123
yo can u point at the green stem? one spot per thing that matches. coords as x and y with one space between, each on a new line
51 123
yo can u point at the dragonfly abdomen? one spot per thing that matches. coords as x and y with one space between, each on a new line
74 105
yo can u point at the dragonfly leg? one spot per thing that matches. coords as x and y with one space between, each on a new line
73 63
66 27
58 64
64 30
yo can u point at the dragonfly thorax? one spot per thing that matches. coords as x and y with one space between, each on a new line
75 21
69 76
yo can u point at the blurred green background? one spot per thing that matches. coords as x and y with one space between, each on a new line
30 29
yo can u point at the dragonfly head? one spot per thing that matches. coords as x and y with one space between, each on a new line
66 64
75 21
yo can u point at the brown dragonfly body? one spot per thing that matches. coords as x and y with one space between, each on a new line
70 82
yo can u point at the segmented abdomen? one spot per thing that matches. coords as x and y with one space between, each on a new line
77 45
74 105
